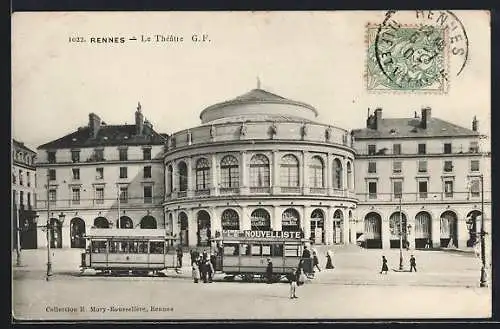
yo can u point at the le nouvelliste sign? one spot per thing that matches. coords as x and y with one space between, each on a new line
247 234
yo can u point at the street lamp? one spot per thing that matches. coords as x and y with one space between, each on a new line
400 232
49 227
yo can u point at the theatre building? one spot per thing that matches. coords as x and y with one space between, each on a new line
103 176
428 170
260 162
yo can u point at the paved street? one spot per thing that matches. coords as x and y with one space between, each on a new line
446 286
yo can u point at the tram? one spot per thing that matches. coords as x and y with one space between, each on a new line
246 253
122 251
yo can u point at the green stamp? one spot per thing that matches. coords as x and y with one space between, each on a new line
406 58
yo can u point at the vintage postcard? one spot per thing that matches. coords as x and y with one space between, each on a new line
251 165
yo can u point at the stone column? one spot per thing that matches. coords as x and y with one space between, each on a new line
192 228
328 173
245 223
304 173
175 180
386 233
307 222
436 232
329 225
191 183
276 222
462 233
214 188
275 170
345 228
410 220
344 176
353 227
215 222
244 185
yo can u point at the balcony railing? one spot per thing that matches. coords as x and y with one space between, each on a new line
204 192
423 197
434 151
229 190
260 189
318 190
98 203
182 194
290 190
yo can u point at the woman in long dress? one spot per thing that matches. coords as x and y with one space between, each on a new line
329 264
384 265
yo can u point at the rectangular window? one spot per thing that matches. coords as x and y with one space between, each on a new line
448 166
255 250
289 176
447 148
99 154
372 190
123 194
28 179
421 148
99 172
474 147
230 176
372 167
372 149
396 149
148 194
448 189
422 189
422 166
52 174
21 180
123 154
75 196
52 196
99 195
398 189
51 156
147 172
146 154
21 198
29 199
474 165
75 156
475 188
123 172
76 173
397 167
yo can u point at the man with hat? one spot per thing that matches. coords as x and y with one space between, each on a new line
269 271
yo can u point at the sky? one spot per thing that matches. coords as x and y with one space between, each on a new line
314 57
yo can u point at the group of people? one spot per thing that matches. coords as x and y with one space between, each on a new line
385 268
202 266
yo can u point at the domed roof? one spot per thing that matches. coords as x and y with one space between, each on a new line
246 103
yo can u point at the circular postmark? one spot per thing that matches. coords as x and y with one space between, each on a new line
414 51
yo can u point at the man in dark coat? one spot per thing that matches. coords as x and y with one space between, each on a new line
306 253
269 271
179 256
413 264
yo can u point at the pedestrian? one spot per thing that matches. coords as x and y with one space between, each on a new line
196 272
329 263
413 264
293 284
205 255
269 271
306 253
384 265
210 270
179 256
428 244
316 261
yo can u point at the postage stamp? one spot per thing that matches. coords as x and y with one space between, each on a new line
415 52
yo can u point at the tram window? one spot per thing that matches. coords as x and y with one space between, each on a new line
231 249
114 247
133 247
143 247
266 250
245 249
256 250
291 251
277 250
98 246
156 247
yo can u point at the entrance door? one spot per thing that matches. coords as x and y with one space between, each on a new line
318 235
77 226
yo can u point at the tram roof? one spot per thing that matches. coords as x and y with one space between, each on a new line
127 233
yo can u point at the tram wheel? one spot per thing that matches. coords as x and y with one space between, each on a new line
247 277
276 278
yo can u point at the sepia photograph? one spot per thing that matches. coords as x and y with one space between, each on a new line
265 166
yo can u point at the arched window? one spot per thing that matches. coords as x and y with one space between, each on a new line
148 222
337 174
289 171
202 174
259 171
316 172
349 176
183 178
290 220
260 220
230 220
229 172
170 179
396 226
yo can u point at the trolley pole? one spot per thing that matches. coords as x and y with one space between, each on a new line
48 227
483 282
400 232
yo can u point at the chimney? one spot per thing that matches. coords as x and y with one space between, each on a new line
94 124
139 120
148 128
475 124
426 117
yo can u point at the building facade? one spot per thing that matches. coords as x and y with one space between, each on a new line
260 162
100 176
424 170
23 182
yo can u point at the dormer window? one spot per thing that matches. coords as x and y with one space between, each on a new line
51 156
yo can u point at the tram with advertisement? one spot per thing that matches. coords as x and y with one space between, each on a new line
122 251
246 253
